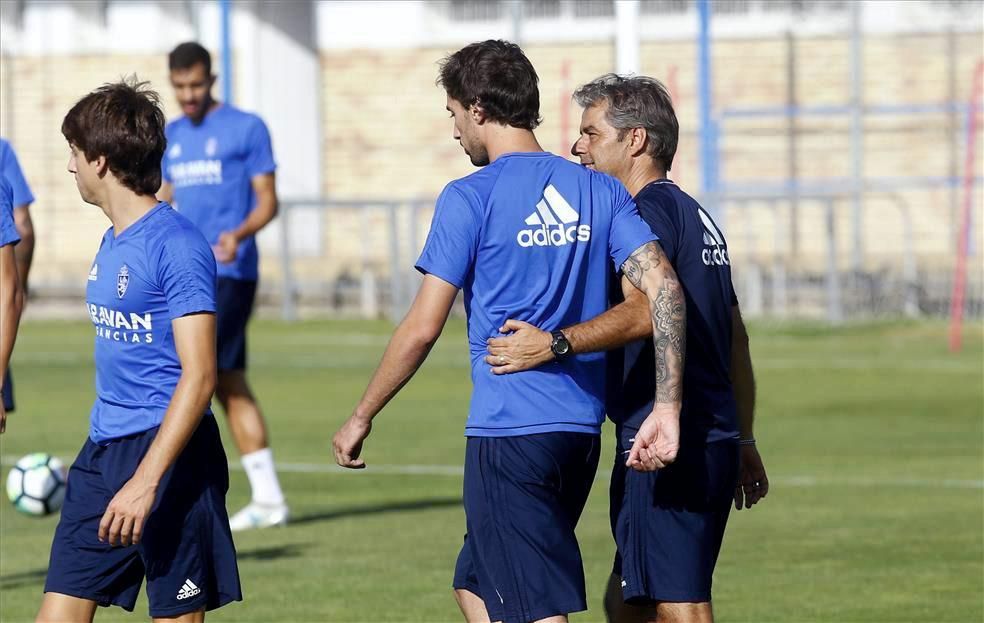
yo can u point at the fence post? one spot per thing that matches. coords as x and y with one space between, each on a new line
368 297
396 284
835 312
288 307
778 267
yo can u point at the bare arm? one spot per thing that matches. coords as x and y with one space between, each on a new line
11 304
753 482
24 251
658 439
266 208
649 270
194 338
408 348
619 325
265 187
528 346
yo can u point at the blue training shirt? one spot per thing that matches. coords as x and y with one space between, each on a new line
211 166
533 237
157 269
8 231
699 253
11 171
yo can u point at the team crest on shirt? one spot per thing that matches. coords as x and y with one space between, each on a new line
122 281
211 146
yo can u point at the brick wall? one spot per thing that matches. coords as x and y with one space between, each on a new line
386 135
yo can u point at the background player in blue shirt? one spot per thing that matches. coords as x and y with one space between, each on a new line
668 526
11 293
146 494
219 170
537 233
22 199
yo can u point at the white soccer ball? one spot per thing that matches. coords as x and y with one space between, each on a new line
36 484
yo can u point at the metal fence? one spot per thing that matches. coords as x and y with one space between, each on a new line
356 258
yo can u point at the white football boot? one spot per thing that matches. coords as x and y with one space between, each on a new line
255 515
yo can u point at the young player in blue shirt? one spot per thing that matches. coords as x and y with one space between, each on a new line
219 171
146 494
668 526
11 294
532 232
22 198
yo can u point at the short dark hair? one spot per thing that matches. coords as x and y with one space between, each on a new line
637 102
124 122
497 76
189 54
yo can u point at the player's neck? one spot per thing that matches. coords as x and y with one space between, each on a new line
641 175
210 107
125 207
502 139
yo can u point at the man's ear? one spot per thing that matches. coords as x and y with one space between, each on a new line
637 141
102 166
477 113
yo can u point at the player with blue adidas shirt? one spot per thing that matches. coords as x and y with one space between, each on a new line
146 494
669 525
219 171
11 294
22 198
536 233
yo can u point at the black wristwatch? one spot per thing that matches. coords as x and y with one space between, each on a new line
559 346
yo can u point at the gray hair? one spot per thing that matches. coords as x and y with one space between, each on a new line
636 102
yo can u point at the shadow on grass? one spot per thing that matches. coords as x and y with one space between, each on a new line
24 578
375 509
291 550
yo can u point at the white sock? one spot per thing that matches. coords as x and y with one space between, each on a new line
263 477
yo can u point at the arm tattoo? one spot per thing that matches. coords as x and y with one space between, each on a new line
669 313
649 270
646 257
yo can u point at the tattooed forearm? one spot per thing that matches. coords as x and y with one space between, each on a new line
646 257
670 339
649 270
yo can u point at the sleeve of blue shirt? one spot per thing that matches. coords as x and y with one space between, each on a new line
452 243
8 232
15 177
186 272
259 149
660 221
629 231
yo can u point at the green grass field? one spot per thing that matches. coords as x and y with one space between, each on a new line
872 437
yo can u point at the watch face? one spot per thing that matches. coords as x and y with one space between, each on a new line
561 346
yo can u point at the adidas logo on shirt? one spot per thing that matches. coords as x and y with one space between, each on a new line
94 273
552 223
715 251
188 589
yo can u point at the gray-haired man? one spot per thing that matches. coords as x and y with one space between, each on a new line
669 524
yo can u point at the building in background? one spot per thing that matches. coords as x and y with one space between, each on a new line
840 158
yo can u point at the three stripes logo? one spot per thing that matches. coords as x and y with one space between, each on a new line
188 589
715 251
553 223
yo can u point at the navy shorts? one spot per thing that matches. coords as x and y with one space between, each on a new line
186 552
8 391
234 305
669 524
523 497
